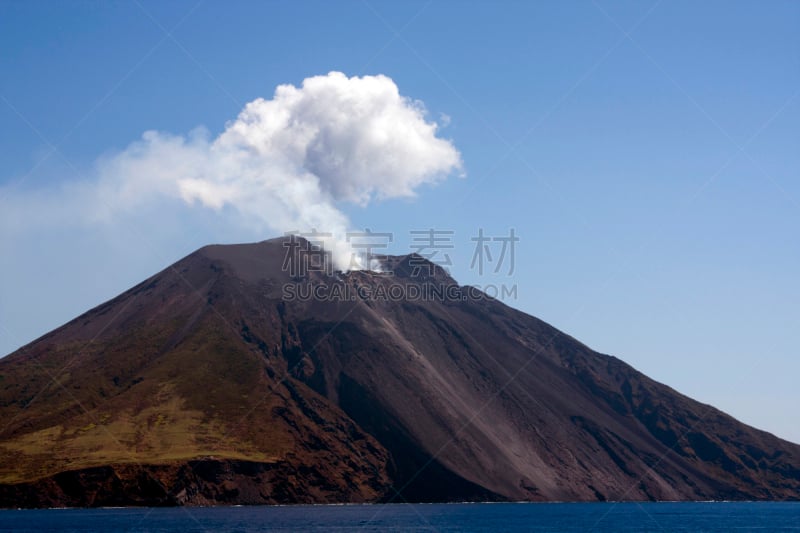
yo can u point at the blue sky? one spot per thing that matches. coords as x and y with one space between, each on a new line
646 154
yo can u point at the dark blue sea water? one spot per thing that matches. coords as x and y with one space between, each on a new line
601 517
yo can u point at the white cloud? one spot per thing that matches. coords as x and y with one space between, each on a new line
283 164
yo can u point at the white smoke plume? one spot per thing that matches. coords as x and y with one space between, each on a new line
287 162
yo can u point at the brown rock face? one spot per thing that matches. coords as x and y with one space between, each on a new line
219 381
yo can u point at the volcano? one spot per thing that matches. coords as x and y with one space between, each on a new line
236 377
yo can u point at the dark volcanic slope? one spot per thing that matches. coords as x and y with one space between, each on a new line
204 384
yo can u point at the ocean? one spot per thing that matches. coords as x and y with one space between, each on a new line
511 517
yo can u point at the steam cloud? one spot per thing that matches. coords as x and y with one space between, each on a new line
287 162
